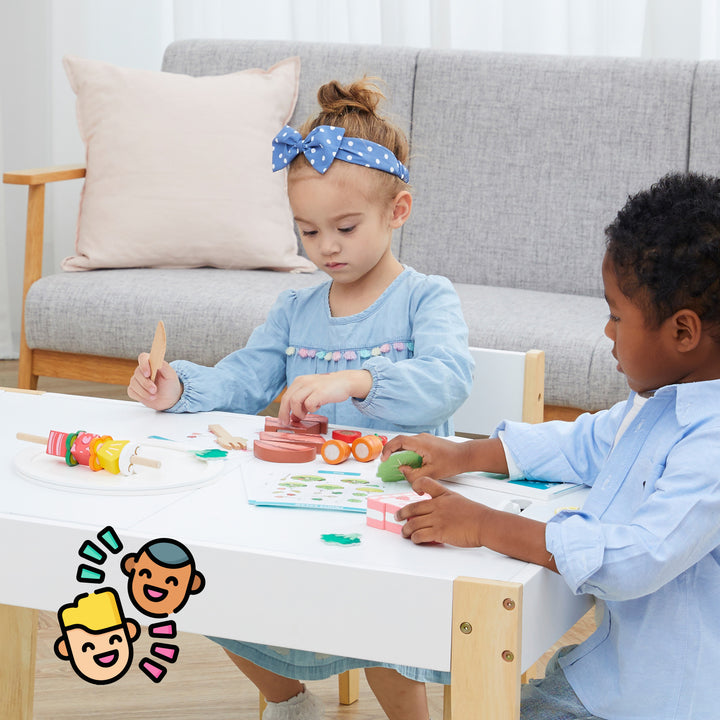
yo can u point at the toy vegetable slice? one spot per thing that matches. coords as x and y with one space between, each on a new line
388 469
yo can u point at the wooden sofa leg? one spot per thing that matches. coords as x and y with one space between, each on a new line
26 379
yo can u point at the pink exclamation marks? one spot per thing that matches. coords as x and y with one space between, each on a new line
154 671
164 651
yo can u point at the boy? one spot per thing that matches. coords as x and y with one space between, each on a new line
647 541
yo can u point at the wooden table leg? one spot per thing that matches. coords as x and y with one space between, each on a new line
349 686
18 630
486 643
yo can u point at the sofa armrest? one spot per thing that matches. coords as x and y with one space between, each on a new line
36 181
41 176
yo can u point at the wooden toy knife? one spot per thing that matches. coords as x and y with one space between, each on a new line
157 351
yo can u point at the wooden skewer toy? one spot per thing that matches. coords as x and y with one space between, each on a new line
98 452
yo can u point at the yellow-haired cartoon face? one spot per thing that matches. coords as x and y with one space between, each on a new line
97 638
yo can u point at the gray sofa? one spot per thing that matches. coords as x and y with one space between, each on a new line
517 164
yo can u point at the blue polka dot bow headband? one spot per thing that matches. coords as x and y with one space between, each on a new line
326 143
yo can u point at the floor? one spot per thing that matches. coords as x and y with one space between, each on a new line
204 683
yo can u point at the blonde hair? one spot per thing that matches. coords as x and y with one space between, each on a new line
354 107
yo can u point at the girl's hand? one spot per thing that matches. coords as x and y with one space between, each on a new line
447 518
441 458
159 395
307 393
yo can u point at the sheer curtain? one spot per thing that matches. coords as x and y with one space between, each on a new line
6 345
38 106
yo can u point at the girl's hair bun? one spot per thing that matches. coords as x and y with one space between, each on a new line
360 96
354 107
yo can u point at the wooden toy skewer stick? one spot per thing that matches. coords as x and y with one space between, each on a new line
134 459
157 351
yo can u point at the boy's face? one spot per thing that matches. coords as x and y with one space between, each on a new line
645 356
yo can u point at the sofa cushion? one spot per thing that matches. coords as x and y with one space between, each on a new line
705 128
207 312
179 168
321 62
545 151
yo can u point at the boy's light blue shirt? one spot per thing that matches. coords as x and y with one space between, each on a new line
647 543
413 340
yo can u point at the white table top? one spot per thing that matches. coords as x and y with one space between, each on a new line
270 578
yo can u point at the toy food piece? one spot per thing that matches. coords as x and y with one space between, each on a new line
367 447
335 451
381 509
346 435
300 426
388 469
283 452
322 419
98 452
317 441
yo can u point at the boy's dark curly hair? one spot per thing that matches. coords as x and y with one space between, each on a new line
665 249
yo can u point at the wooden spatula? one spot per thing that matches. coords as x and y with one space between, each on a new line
226 440
157 351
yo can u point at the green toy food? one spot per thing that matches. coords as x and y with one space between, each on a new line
388 469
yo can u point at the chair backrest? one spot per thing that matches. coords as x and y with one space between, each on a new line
507 385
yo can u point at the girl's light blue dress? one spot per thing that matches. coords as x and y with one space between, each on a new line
413 340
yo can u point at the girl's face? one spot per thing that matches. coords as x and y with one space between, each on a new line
346 229
645 356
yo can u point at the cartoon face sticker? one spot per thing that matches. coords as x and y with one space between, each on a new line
96 637
161 577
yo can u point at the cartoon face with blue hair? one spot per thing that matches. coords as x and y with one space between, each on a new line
161 577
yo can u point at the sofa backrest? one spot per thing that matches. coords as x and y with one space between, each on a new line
518 162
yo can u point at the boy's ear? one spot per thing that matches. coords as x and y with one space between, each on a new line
687 329
401 207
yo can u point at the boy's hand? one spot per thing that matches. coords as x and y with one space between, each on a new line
444 458
308 393
441 458
447 518
159 395
450 518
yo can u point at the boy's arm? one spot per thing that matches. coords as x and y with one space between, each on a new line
450 518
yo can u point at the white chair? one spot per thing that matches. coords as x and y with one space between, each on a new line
507 385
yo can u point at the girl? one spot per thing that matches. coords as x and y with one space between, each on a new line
379 345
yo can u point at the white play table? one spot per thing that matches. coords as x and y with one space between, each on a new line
269 576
